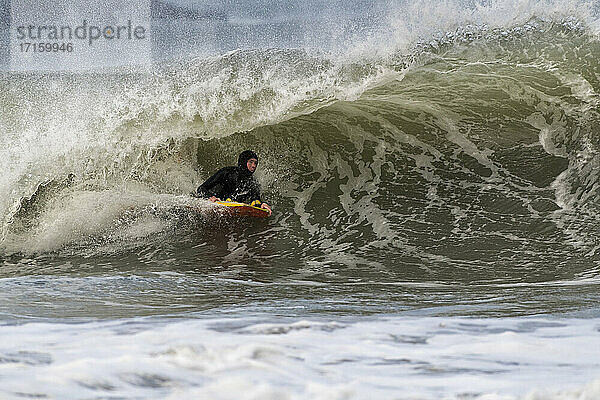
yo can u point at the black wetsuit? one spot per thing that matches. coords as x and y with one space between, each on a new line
235 183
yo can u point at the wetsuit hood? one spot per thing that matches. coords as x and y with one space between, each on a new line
243 160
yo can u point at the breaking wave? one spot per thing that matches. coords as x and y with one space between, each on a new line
470 143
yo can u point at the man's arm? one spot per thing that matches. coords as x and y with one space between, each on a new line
255 190
208 188
255 195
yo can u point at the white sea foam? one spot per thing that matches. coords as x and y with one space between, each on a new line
394 357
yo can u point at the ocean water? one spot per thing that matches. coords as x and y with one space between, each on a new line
434 172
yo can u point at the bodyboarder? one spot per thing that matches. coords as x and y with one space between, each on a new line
236 183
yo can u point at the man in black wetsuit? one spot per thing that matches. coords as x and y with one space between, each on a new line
236 183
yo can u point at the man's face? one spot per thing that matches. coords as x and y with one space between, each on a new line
251 164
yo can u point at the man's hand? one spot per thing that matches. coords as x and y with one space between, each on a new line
214 198
266 207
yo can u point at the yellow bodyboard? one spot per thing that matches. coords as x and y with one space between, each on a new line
242 209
